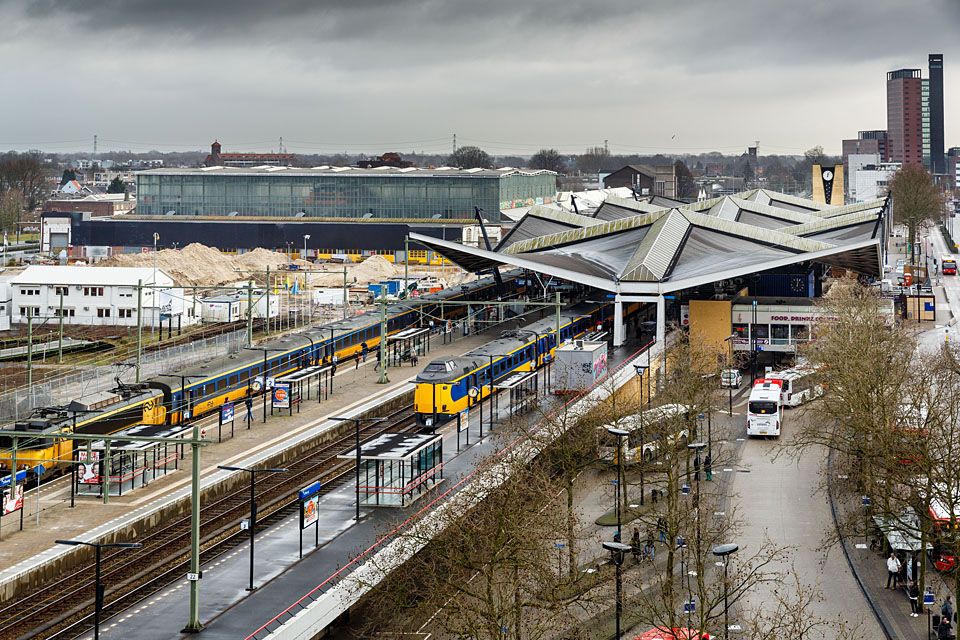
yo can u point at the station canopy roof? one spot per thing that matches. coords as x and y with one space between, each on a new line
649 247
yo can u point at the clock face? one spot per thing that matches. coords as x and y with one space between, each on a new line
828 175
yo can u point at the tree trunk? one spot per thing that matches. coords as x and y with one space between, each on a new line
571 522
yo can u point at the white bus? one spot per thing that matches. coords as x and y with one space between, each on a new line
799 385
651 425
765 409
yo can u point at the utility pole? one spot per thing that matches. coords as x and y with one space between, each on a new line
250 313
406 266
558 319
94 144
60 347
194 626
454 144
139 324
268 310
383 336
29 352
344 293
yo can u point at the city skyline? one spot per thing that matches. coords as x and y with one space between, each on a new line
511 79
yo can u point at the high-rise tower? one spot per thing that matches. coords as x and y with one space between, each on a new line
937 160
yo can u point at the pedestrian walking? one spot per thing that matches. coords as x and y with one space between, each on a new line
943 629
914 599
662 528
708 467
946 610
248 403
650 549
414 360
893 570
696 466
363 350
356 363
635 544
377 366
431 326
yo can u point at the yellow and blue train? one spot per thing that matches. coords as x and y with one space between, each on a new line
443 387
199 390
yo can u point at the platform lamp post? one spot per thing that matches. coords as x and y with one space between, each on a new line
722 551
263 372
306 237
641 369
619 434
618 551
253 506
730 339
99 587
153 292
356 424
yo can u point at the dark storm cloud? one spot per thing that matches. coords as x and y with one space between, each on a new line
522 72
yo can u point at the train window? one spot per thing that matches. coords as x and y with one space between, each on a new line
234 379
244 376
255 371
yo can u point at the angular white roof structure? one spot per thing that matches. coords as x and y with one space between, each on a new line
638 247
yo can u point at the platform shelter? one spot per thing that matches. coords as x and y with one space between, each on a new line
403 345
523 388
303 379
398 468
131 464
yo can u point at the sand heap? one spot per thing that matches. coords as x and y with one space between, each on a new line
202 265
207 267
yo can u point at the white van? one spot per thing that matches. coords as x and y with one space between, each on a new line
765 408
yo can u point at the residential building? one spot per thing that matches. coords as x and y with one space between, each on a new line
856 162
638 177
666 184
867 142
872 180
935 71
218 159
908 123
341 192
99 296
97 204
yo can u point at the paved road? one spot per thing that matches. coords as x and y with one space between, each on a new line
779 499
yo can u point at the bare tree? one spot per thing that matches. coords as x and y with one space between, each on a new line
916 199
549 159
593 160
470 158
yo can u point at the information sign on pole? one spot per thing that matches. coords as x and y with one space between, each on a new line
244 524
281 395
227 411
464 424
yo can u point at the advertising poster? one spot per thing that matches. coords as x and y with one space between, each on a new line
281 395
88 470
11 504
311 508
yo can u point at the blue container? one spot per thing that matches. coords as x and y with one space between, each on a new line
392 286
374 289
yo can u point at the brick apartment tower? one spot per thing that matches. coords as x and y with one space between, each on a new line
905 117
935 69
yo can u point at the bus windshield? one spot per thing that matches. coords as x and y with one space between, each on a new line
762 407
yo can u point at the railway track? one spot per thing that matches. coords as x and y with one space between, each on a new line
64 608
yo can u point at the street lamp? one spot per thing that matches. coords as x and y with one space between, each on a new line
722 551
619 434
306 237
356 423
730 339
618 551
641 369
253 506
99 587
697 447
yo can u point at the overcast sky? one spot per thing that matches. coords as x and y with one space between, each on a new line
510 76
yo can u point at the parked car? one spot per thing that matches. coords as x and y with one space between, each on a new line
731 378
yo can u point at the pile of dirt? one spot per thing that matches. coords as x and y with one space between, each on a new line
200 264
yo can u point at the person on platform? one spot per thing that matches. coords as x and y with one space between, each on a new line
893 570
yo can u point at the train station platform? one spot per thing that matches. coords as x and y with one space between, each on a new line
228 611
355 388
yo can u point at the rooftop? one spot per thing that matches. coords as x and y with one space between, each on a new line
326 170
102 276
